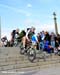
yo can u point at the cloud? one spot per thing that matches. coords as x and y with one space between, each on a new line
29 5
39 26
16 9
46 1
28 14
45 27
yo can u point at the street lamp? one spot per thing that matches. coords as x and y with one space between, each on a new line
0 29
55 22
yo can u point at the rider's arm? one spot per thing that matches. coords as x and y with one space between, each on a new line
27 35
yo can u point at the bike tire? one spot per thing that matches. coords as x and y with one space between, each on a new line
31 55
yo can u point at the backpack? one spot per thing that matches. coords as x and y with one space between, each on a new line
22 34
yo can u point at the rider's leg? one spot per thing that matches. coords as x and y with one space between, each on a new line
24 41
34 45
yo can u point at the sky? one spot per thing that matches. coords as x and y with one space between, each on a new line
26 13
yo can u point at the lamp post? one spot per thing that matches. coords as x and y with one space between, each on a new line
55 22
0 29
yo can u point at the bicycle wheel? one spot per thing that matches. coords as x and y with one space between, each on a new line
31 55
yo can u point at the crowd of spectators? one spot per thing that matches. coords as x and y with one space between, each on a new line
43 40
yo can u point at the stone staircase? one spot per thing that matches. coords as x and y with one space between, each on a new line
12 60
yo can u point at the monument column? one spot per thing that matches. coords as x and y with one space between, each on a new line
55 22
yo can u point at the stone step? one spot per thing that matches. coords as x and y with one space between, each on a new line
18 61
14 58
26 65
14 62
9 50
23 57
11 59
34 68
11 56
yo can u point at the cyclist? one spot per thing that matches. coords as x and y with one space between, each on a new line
34 41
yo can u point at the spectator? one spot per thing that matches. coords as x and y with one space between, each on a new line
4 41
12 37
34 41
52 39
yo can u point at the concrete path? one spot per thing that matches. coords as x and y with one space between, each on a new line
50 71
47 71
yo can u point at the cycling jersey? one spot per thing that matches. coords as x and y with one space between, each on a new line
34 38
